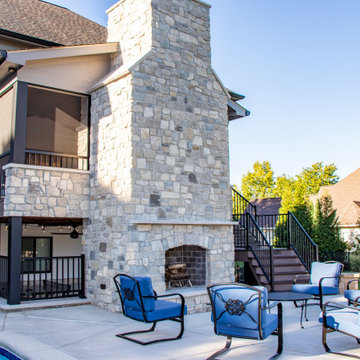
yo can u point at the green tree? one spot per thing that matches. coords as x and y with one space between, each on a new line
283 183
259 183
317 175
295 196
326 227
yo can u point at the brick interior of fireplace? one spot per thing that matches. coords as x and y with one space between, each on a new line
195 259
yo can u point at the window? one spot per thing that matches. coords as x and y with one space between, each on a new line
36 247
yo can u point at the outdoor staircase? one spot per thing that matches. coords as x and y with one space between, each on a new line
286 266
276 247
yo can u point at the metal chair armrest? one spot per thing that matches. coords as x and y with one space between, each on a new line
270 306
337 305
327 277
171 295
351 281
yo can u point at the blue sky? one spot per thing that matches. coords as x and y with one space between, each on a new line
298 64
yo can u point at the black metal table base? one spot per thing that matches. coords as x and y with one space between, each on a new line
299 300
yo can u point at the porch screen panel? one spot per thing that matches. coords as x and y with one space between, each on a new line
57 122
6 106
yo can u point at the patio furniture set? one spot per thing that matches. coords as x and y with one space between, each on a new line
243 311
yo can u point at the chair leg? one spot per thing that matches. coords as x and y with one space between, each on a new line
326 347
126 337
222 351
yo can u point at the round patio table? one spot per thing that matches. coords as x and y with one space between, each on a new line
300 300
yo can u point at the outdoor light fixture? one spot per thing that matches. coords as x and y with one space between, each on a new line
74 234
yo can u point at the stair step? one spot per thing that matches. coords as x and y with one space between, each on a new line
285 270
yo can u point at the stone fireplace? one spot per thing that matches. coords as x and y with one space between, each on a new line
159 164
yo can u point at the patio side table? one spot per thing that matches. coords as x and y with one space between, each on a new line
300 300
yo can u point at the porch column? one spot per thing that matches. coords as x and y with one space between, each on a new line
14 255
17 153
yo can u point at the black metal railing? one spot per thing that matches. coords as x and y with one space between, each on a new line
52 277
301 242
274 227
260 248
44 158
4 276
241 206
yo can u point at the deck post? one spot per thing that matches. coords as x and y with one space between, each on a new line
14 264
82 279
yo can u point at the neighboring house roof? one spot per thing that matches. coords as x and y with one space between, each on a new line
345 196
268 206
39 21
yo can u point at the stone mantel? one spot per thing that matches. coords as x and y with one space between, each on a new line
186 223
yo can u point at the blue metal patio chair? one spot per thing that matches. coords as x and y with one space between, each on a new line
140 302
324 280
240 311
352 295
342 318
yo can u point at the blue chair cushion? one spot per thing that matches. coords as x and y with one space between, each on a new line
351 294
130 293
320 270
162 310
345 320
269 325
314 289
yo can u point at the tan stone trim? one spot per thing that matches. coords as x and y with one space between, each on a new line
45 168
190 223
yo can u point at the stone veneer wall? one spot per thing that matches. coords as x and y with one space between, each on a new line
159 151
46 192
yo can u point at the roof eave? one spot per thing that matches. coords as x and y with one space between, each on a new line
27 38
236 111
22 56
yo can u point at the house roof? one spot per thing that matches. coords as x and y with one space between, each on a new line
267 206
48 24
345 196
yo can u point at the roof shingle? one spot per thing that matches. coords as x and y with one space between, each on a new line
45 21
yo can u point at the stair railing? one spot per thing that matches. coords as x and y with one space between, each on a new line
300 241
241 206
260 248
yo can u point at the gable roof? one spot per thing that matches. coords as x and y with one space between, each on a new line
49 24
345 196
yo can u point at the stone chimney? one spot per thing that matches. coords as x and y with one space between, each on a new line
159 149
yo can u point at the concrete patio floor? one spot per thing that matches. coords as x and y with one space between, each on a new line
87 333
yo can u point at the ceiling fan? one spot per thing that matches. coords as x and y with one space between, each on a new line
73 234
